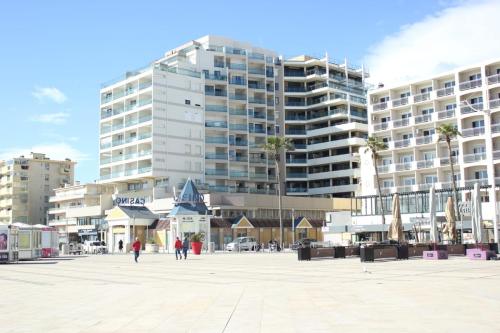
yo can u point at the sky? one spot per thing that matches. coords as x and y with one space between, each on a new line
56 54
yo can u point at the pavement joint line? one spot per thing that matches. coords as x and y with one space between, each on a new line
234 309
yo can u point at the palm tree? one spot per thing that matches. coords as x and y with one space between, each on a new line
274 146
448 132
374 145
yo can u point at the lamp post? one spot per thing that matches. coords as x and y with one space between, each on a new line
293 226
490 169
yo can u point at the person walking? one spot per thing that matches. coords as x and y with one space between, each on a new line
185 247
136 246
178 248
120 245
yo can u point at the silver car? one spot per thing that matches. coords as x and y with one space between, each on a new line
242 244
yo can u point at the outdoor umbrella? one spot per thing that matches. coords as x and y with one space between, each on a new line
396 227
432 215
476 214
450 227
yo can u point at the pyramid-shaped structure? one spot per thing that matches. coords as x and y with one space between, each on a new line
189 202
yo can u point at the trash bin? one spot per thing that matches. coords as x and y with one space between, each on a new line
366 253
339 252
402 251
304 253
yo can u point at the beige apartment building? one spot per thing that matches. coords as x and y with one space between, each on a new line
26 184
78 211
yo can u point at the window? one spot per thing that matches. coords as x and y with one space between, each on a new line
385 119
475 77
429 156
450 106
277 86
406 159
476 100
406 115
407 136
46 178
47 166
478 123
277 129
187 102
409 181
479 150
481 174
384 99
405 94
387 183
430 179
425 90
427 111
386 161
277 100
428 132
449 84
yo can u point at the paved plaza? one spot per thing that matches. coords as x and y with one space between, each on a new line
248 292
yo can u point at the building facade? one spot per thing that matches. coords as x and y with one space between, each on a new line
78 211
326 119
406 116
26 184
204 111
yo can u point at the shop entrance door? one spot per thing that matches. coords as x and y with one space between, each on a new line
116 239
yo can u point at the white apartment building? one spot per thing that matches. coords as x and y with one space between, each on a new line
204 111
326 118
406 117
78 211
26 183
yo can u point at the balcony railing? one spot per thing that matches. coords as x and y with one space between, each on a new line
240 67
216 124
295 103
380 106
402 143
471 158
216 93
470 84
238 127
256 100
295 73
445 92
494 79
257 71
215 77
238 81
494 103
239 97
296 160
296 175
425 118
496 155
238 174
466 108
468 132
495 128
401 122
399 102
383 168
404 166
216 156
237 112
425 164
260 86
295 131
422 140
215 108
480 181
296 190
445 114
216 139
216 172
422 97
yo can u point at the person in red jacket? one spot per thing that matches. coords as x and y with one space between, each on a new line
136 246
178 248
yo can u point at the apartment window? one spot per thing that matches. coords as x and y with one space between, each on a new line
478 123
409 181
481 174
386 161
427 111
46 178
387 183
277 100
406 159
428 132
476 100
277 129
385 119
475 77
429 155
384 99
425 90
277 86
187 102
452 106
405 94
430 179
407 136
479 150
498 70
47 166
46 199
449 84
406 115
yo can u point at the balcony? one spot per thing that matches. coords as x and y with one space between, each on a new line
495 128
494 103
240 67
494 79
470 84
445 92
295 103
446 161
296 175
256 100
384 168
237 81
238 97
422 97
238 112
215 108
466 108
380 106
291 131
425 164
480 181
239 143
257 130
255 56
216 139
296 160
216 93
295 89
470 132
258 160
216 172
216 156
445 114
423 140
401 123
257 71
399 102
216 124
259 86
294 73
214 77
402 143
238 127
404 166
238 174
295 117
423 119
258 175
471 158
496 155
296 190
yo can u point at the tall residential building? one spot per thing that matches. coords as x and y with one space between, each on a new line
26 183
326 118
204 111
78 210
406 117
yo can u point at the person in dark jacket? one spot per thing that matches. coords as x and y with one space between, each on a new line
178 248
120 245
136 246
185 247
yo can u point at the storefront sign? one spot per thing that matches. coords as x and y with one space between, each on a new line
129 201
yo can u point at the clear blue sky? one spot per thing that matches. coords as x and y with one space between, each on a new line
74 46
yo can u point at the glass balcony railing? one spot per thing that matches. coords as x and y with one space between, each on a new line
257 71
241 143
257 130
145 85
238 127
239 158
216 172
258 175
216 93
216 139
236 66
218 188
237 81
237 112
296 175
296 160
295 131
216 156
255 56
214 77
256 100
238 174
216 124
256 86
215 108
295 103
296 190
240 97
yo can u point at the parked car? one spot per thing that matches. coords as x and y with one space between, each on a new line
94 247
242 244
304 242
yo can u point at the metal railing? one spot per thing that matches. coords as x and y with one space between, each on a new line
470 84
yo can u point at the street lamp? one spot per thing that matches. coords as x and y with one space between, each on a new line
489 162
293 226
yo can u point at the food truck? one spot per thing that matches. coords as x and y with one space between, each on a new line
50 241
8 243
29 241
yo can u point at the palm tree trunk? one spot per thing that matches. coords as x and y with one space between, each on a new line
278 175
453 183
379 196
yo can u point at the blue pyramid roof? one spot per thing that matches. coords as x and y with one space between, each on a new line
297 221
189 202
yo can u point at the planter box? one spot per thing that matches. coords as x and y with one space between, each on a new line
479 254
435 255
417 250
352 251
152 248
